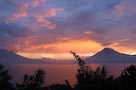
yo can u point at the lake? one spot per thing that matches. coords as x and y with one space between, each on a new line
58 73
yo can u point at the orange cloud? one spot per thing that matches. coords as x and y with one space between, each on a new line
125 50
22 12
90 33
80 46
50 12
29 47
60 49
36 3
39 15
41 22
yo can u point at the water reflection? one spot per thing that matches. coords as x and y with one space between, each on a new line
58 73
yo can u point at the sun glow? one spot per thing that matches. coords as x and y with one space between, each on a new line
61 50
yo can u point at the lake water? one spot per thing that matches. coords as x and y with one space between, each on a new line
58 73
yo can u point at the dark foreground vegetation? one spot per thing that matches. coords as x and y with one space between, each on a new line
87 79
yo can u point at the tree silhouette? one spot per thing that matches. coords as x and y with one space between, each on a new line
127 79
90 79
87 79
65 86
5 79
32 82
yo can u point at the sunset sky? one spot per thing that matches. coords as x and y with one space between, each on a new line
52 28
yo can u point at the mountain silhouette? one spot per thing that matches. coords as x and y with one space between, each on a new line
108 55
9 57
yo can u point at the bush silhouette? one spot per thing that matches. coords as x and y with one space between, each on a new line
5 79
127 79
32 82
65 86
89 79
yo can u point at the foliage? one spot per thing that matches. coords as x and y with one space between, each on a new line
65 86
5 79
127 79
32 82
88 79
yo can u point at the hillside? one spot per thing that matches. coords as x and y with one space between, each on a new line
9 57
108 55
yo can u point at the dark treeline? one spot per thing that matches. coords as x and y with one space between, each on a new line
87 79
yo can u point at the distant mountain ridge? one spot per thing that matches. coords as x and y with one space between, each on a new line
108 55
9 57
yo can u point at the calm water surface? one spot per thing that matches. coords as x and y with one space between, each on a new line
58 73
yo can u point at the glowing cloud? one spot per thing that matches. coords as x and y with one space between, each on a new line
56 50
50 28
41 22
29 10
22 12
90 33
